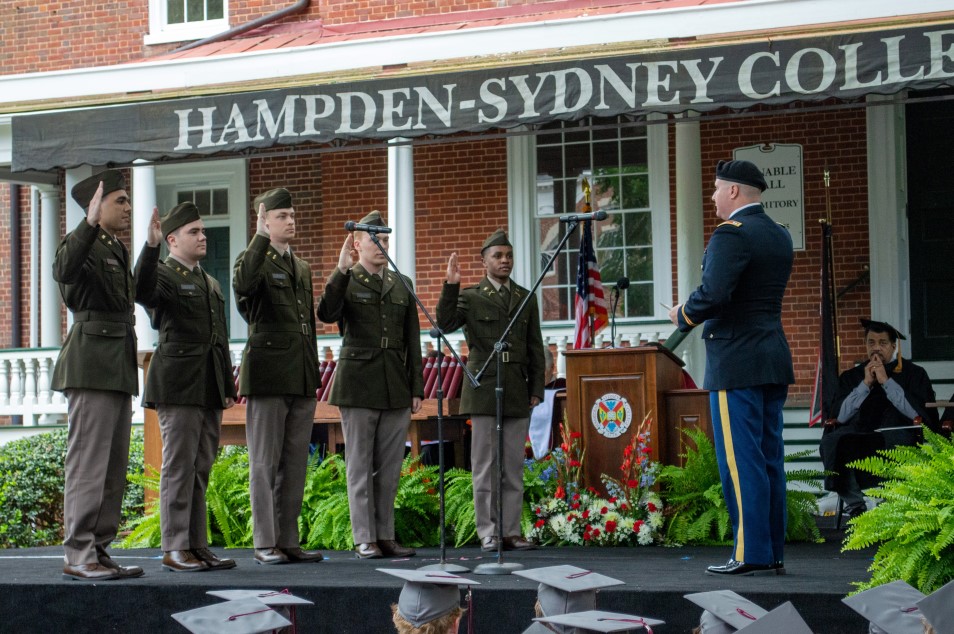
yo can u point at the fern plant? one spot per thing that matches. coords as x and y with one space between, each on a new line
459 506
696 508
913 527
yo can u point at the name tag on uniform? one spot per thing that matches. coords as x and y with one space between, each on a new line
279 276
360 295
112 261
187 287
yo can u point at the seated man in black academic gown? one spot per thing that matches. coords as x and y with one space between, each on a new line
883 394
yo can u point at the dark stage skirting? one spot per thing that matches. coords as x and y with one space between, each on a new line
351 597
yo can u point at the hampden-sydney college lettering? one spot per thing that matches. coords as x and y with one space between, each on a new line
843 66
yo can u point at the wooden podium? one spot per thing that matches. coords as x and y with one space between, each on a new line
610 391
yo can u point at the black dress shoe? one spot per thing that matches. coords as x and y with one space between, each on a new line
390 548
516 542
779 568
212 560
297 555
125 572
368 551
270 556
89 572
855 510
182 561
739 568
488 544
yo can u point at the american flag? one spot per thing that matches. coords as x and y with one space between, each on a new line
589 294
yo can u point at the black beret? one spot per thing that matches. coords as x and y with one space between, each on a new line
374 219
497 239
278 198
744 172
179 216
882 326
84 190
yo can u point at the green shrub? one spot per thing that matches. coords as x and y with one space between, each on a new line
31 488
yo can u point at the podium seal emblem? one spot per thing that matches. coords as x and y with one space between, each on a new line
611 415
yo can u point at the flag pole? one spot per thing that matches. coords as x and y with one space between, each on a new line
827 231
587 208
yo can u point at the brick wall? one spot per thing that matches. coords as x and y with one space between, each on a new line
23 236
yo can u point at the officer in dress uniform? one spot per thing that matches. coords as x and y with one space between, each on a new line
745 270
96 369
378 384
189 381
279 375
484 311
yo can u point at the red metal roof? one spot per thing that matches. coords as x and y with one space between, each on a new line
309 33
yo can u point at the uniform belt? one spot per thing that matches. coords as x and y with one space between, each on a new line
96 315
304 329
384 342
166 337
507 357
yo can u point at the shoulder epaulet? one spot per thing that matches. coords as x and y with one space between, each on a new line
733 223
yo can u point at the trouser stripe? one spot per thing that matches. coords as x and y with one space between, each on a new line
733 472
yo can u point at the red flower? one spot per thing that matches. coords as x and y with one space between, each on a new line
560 493
596 532
574 463
637 525
539 523
627 451
586 514
586 537
610 526
571 517
604 510
538 511
613 500
591 490
626 465
630 483
651 507
575 505
576 496
575 434
624 506
646 450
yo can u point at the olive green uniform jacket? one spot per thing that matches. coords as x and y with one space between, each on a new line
481 312
92 269
380 362
192 365
281 356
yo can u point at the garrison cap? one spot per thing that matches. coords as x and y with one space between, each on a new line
497 239
744 172
427 595
566 589
242 616
938 608
600 621
891 608
82 192
374 219
725 611
881 326
278 198
268 597
179 216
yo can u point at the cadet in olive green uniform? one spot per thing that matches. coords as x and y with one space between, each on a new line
96 369
484 311
279 375
378 383
189 381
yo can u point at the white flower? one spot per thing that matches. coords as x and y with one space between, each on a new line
655 520
645 536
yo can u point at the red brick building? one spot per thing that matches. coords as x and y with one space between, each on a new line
459 117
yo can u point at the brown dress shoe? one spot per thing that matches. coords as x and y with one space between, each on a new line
488 544
125 572
212 561
297 555
390 548
516 542
89 572
368 551
182 561
270 556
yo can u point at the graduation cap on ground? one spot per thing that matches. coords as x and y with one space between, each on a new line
241 616
427 595
566 589
725 611
600 621
938 608
892 608
268 597
784 619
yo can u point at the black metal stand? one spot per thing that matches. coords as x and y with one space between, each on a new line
437 334
499 567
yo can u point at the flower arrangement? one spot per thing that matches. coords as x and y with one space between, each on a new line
631 514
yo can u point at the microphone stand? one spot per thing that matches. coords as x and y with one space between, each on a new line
613 315
437 334
499 567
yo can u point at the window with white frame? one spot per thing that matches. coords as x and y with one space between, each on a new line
614 155
181 20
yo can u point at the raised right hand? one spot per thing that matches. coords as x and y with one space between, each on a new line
94 212
344 258
453 269
260 226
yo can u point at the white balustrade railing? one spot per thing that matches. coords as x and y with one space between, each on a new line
25 373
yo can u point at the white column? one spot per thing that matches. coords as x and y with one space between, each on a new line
689 238
401 205
144 200
34 300
74 213
51 333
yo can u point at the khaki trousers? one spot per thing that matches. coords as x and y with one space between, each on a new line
374 451
190 439
483 456
278 430
97 455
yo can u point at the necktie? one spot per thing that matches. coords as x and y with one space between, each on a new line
504 296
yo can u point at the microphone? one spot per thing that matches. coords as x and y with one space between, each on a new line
357 226
622 284
596 215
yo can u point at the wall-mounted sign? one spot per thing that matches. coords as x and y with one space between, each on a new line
784 199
